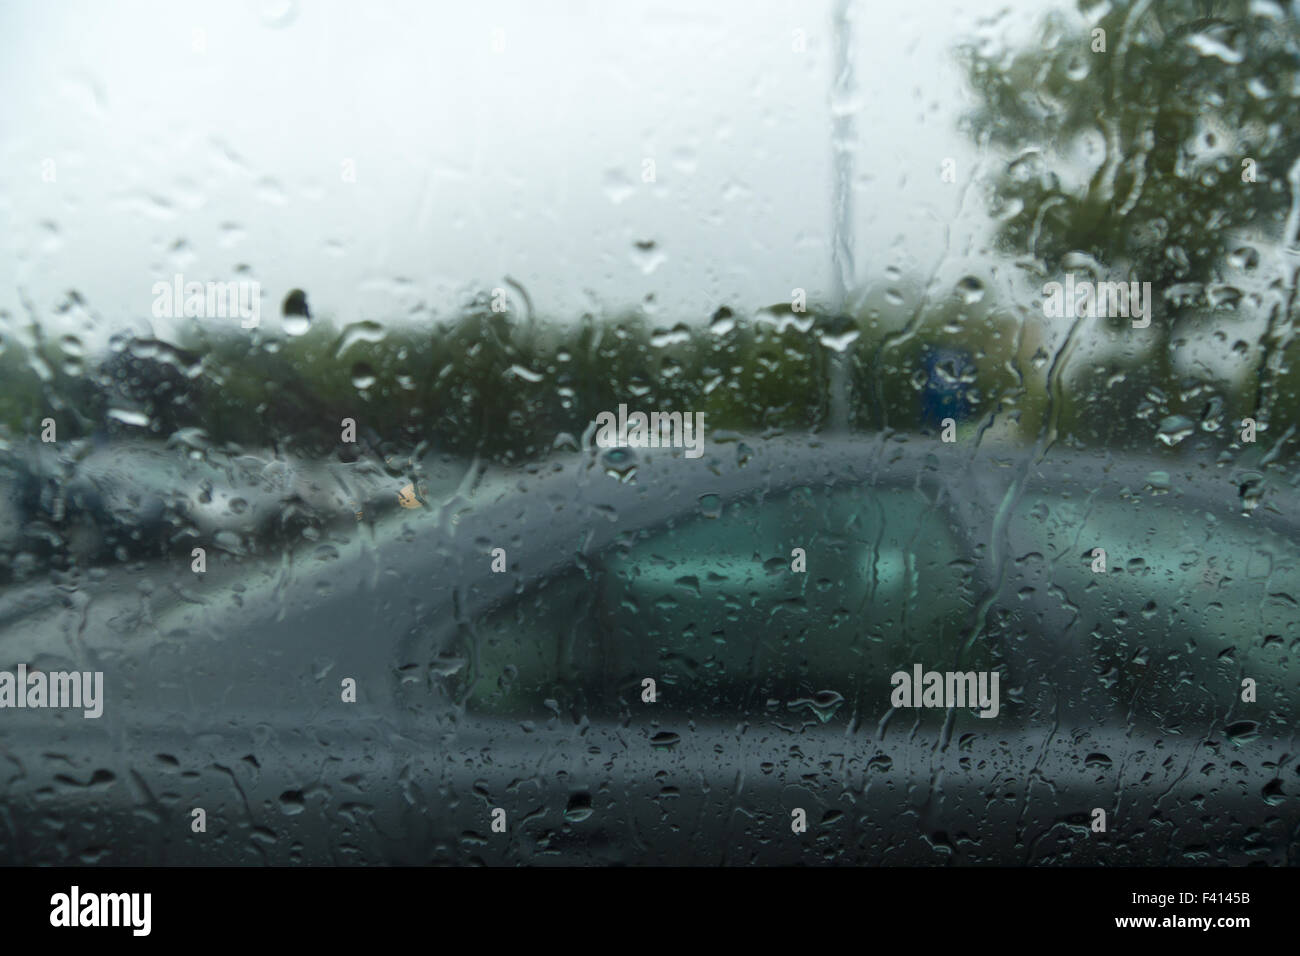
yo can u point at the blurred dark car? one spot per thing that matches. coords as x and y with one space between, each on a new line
525 690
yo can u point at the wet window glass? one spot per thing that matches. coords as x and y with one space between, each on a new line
1184 601
648 420
709 609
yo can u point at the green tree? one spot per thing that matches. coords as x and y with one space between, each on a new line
1159 140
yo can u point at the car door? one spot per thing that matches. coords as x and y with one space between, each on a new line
684 693
1141 658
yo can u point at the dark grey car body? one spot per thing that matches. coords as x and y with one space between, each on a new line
523 690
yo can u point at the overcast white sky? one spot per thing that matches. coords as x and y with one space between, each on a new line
488 139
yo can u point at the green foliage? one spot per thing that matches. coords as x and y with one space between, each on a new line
1184 92
1136 160
482 383
40 378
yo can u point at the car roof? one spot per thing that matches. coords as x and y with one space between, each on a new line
547 514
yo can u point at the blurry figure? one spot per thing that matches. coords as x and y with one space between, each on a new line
948 386
407 497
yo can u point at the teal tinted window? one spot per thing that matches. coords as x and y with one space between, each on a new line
796 603
1188 606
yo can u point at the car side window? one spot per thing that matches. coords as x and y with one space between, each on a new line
1185 606
797 605
538 655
